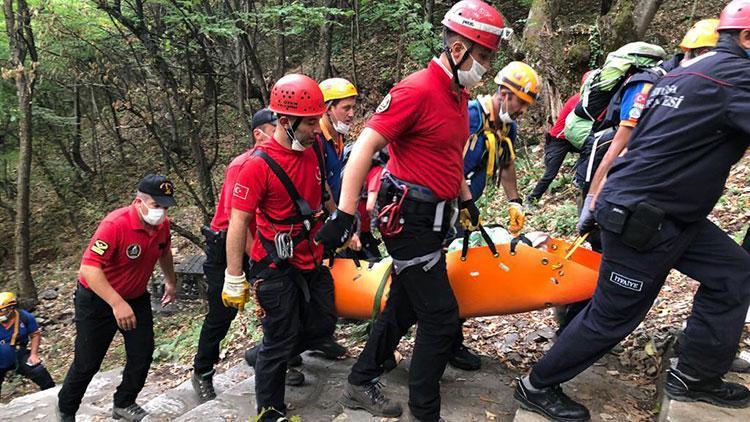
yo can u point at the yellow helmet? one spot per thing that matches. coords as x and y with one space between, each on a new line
336 89
7 299
521 79
702 34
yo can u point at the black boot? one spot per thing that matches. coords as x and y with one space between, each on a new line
552 403
330 349
203 384
714 390
464 358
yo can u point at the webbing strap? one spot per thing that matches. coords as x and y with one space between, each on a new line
381 289
302 207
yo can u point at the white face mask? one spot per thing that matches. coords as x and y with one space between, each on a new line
154 216
341 128
471 77
505 116
296 144
3 318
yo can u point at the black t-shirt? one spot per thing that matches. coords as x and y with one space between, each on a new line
695 127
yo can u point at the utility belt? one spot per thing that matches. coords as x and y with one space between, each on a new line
398 198
216 252
637 225
259 269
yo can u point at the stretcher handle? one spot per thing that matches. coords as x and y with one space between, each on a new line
576 244
516 240
487 239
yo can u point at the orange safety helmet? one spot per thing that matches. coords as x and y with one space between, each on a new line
521 79
297 95
479 22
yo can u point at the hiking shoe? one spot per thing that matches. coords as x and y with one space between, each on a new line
294 378
203 384
133 413
464 358
64 417
532 205
330 349
370 398
713 390
251 355
552 403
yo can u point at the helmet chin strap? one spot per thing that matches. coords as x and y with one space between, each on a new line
290 132
455 66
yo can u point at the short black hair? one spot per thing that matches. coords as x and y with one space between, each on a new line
449 37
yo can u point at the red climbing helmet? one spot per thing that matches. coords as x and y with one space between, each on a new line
736 15
477 21
297 95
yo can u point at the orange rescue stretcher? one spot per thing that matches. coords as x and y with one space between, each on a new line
517 279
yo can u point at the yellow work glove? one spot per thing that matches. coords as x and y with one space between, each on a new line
468 217
236 291
517 217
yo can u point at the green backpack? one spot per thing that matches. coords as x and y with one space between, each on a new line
602 84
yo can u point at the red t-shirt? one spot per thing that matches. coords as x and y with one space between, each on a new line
257 188
427 125
224 207
558 129
126 251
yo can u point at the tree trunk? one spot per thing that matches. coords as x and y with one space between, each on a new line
644 13
429 9
324 46
538 35
280 46
76 147
21 43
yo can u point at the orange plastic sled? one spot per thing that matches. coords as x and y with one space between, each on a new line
484 285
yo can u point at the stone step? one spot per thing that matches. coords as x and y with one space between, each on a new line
181 399
679 411
41 406
466 395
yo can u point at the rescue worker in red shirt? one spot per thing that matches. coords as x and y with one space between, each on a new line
219 317
556 148
424 123
282 188
111 296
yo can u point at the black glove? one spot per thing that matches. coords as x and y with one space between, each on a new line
336 231
470 208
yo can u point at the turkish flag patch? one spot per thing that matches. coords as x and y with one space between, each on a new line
240 191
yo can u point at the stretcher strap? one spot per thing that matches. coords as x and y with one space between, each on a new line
516 240
487 239
381 289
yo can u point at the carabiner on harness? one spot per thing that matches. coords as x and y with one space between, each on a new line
284 245
390 221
